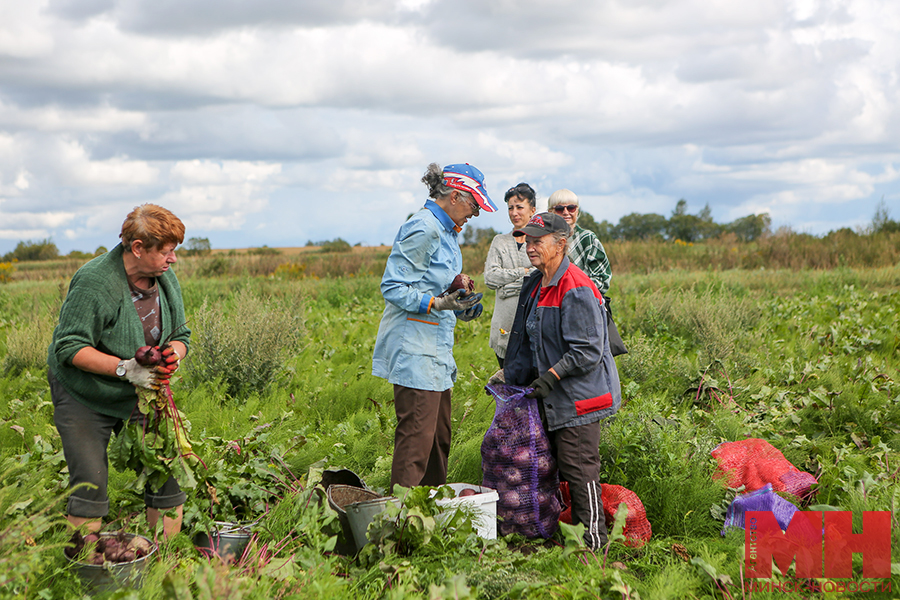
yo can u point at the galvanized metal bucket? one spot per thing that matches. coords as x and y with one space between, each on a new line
227 540
112 576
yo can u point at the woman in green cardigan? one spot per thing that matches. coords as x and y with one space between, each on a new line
116 303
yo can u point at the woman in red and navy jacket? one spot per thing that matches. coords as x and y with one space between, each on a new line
558 346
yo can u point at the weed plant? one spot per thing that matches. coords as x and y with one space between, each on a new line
27 342
245 349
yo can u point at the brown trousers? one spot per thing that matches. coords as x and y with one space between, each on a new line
422 437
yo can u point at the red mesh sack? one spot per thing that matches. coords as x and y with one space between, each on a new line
753 463
637 530
517 462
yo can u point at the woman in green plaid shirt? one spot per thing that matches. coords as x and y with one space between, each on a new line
585 250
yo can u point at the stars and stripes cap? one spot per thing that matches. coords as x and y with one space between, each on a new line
466 178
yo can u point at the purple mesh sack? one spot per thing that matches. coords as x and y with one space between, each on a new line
517 462
764 498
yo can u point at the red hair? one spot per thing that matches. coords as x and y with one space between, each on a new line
154 225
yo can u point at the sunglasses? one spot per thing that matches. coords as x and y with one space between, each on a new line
561 208
523 189
475 208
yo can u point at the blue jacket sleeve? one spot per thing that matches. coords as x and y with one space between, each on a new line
406 266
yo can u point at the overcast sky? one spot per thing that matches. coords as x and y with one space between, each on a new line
275 122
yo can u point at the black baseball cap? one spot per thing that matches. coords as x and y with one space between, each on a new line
542 224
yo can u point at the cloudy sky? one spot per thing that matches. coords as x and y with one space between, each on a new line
281 121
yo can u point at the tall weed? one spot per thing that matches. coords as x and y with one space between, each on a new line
655 366
28 340
712 323
664 460
246 348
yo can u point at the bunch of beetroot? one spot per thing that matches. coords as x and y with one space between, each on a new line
162 359
159 447
517 462
160 403
96 549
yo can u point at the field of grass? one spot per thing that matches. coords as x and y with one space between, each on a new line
805 359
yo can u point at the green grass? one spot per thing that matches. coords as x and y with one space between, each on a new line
807 360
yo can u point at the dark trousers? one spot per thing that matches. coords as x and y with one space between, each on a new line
85 436
576 450
422 438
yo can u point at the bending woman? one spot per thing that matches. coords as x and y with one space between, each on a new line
116 303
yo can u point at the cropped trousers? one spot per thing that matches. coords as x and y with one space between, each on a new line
85 435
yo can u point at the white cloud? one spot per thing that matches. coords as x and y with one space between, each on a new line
237 113
19 226
23 32
22 180
227 172
77 168
56 118
17 235
218 196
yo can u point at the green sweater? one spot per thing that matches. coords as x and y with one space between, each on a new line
98 312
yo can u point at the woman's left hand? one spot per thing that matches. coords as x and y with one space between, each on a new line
543 385
470 313
172 360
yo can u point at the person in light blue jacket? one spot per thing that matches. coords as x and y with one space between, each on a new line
414 347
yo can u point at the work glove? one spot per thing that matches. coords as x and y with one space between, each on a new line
458 300
171 362
141 376
471 313
543 385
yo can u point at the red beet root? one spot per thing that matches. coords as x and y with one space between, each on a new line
148 356
462 282
468 492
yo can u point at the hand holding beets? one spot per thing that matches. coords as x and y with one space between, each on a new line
151 366
148 356
462 282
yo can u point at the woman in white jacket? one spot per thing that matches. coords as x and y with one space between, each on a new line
507 265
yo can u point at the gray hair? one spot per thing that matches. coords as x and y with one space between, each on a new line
562 196
564 236
434 179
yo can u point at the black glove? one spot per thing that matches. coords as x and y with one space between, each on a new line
471 313
543 385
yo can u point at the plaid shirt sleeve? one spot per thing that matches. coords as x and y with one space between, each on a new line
586 251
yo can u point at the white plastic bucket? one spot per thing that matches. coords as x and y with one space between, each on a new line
483 507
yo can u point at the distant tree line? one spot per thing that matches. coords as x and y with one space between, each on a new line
44 250
681 225
335 245
635 226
